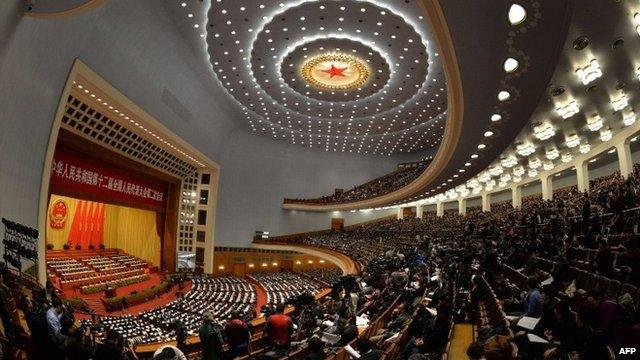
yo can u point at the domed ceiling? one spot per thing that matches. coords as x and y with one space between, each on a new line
348 76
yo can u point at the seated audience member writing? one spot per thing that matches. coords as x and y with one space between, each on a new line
169 352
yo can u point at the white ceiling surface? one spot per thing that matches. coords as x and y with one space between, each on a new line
256 49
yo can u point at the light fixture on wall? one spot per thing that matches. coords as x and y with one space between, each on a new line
589 72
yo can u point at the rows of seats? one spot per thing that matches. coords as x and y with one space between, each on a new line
328 276
131 327
283 286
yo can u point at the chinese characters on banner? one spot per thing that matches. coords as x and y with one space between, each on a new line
73 170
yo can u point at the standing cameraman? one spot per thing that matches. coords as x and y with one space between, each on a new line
56 338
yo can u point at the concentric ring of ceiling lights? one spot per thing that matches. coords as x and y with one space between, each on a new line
394 103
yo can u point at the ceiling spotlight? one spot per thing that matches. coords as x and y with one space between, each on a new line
568 110
496 117
543 131
535 163
606 135
488 133
503 95
620 103
566 157
594 123
533 173
518 171
573 141
584 148
525 149
474 156
548 165
552 153
495 170
589 72
509 162
629 118
481 146
510 65
517 14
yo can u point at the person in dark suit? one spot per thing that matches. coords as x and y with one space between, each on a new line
367 350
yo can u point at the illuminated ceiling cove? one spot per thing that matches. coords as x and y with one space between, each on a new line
349 76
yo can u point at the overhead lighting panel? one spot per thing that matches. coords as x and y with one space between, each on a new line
589 72
568 110
573 141
525 149
584 148
620 103
552 153
594 123
543 131
629 118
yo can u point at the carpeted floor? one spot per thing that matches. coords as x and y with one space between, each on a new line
261 294
96 305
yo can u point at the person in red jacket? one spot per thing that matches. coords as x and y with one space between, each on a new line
279 328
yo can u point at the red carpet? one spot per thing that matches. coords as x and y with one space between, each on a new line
261 294
96 305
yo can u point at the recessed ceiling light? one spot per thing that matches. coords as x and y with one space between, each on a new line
488 133
481 146
503 95
496 117
510 65
517 14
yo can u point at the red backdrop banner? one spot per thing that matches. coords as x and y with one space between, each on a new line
74 171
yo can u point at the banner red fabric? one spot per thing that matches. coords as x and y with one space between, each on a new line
75 171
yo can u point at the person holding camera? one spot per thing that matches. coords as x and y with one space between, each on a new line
211 338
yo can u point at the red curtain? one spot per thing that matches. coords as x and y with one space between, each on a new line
87 227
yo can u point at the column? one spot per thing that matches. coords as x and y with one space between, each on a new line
440 209
462 206
582 173
486 202
624 158
400 214
516 196
420 211
547 186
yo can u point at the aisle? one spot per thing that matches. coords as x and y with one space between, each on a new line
462 337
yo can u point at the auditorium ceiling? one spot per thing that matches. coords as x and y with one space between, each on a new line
368 76
346 76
